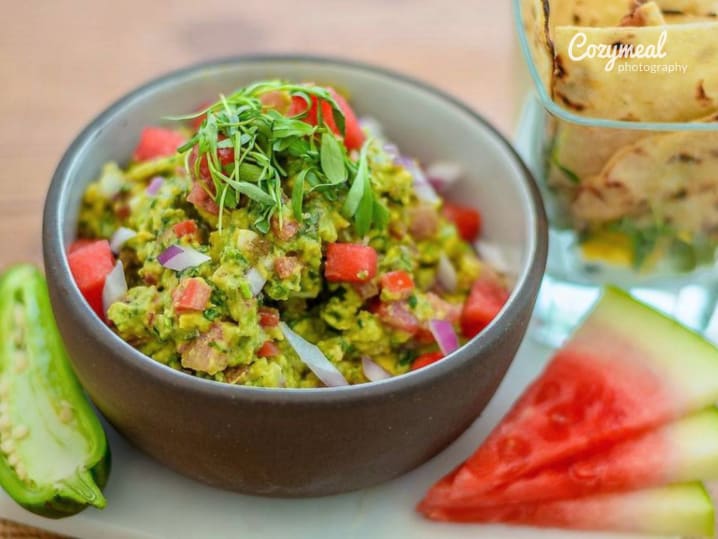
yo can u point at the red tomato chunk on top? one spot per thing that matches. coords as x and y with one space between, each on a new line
225 156
90 263
485 300
191 295
353 134
202 199
350 263
157 142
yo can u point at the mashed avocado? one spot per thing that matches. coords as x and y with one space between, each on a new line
271 259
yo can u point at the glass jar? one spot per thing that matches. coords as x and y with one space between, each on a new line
631 203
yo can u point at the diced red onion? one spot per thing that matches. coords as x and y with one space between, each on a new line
155 185
115 286
443 174
445 335
422 187
446 274
120 237
179 258
169 253
372 371
256 281
314 358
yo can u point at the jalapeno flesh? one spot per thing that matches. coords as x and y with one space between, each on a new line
54 457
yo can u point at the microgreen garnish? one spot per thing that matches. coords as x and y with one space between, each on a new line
361 203
273 150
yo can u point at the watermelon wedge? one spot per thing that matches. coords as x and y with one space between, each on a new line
628 369
685 510
683 451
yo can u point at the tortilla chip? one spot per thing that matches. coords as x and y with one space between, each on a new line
585 87
602 13
672 177
535 15
579 152
648 14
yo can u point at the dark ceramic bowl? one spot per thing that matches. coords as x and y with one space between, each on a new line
301 442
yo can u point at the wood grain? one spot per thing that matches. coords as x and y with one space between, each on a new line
63 62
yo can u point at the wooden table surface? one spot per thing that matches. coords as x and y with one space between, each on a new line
64 61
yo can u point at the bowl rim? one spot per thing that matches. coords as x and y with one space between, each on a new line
522 296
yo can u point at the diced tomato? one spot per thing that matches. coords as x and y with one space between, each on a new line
90 263
79 244
397 315
185 228
350 263
398 284
191 295
467 220
268 349
202 200
157 142
268 317
353 134
299 106
225 156
485 300
426 359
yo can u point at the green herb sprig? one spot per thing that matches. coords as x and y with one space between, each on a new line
271 150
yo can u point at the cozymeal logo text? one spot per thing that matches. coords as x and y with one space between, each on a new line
580 49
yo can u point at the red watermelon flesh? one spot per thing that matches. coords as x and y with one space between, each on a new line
686 450
628 369
684 509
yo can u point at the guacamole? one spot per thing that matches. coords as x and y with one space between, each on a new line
268 240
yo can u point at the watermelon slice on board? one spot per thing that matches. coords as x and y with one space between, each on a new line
628 369
683 451
684 510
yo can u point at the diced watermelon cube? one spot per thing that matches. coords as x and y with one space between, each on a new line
157 142
191 295
485 300
90 264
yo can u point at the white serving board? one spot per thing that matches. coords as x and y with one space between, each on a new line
146 500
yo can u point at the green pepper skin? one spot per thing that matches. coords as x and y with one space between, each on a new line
43 408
